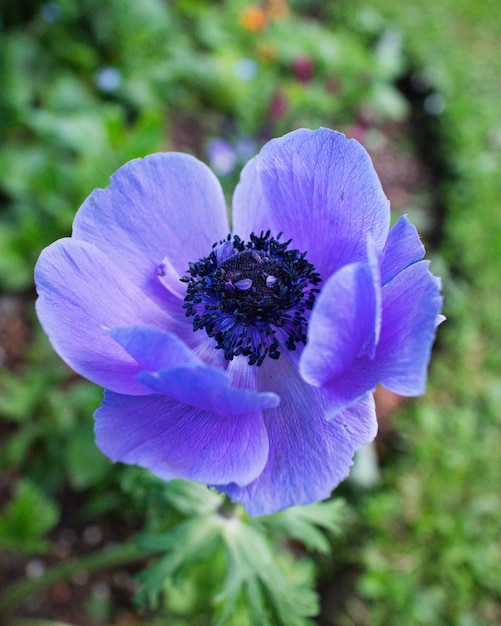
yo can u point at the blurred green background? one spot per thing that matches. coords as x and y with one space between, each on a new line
87 85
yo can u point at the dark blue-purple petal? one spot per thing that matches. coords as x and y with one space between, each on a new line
344 323
320 189
165 206
403 247
174 440
309 455
173 370
81 295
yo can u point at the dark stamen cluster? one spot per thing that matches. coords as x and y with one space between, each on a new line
242 292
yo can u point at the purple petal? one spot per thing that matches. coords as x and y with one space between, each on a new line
207 389
174 440
154 349
165 205
177 373
82 294
342 325
403 248
308 455
411 305
321 190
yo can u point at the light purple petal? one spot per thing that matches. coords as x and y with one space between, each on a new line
207 389
308 455
154 349
174 440
411 305
342 325
173 370
167 205
403 247
353 384
321 190
82 294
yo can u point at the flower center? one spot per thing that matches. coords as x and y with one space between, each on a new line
252 297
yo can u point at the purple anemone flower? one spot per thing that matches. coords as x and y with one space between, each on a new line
245 361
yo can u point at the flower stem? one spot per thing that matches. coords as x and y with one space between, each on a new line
13 596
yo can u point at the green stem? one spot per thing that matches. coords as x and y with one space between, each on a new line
12 596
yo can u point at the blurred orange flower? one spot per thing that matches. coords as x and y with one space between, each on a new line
253 18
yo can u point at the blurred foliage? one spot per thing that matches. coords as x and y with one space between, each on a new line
89 85
445 567
26 518
434 551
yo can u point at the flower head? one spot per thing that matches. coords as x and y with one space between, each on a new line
244 357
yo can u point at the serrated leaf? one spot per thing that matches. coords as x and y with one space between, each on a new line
192 498
188 543
310 523
253 578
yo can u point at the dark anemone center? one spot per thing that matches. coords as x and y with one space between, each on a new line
250 270
242 293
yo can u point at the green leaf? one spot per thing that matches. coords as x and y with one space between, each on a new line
309 523
188 544
256 583
234 565
192 498
28 516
